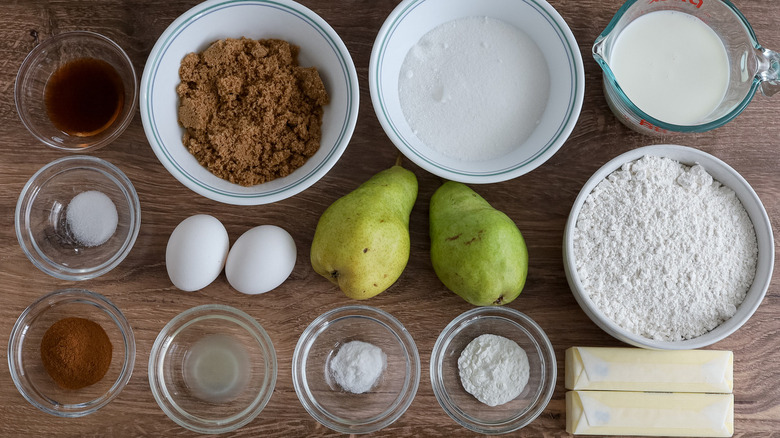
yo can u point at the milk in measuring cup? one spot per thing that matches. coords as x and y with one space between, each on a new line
672 66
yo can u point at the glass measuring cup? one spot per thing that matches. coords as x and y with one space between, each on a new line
751 67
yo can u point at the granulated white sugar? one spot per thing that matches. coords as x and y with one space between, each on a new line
665 251
474 88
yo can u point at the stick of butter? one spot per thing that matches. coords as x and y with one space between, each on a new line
649 413
636 369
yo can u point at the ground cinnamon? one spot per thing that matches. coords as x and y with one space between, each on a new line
76 352
251 113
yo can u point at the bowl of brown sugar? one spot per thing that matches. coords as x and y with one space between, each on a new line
71 352
249 102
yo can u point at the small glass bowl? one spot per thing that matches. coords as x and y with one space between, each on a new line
41 224
24 353
172 352
44 60
462 406
336 408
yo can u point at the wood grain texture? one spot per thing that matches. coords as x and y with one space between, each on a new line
538 202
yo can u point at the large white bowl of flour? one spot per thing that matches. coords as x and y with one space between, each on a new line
663 287
476 91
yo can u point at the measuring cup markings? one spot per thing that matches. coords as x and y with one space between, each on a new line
693 2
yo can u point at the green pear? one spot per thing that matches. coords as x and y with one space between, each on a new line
476 250
362 240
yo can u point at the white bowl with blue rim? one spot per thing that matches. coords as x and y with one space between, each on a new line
213 20
412 19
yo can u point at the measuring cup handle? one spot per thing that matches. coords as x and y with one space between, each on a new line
769 71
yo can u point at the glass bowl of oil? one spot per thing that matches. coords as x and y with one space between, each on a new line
76 91
212 369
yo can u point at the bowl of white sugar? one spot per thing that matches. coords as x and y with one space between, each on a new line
77 217
668 247
476 92
356 369
493 370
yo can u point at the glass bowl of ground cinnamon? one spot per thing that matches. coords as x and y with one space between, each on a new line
71 352
76 91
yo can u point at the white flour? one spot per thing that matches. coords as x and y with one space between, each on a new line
474 88
665 251
357 366
493 369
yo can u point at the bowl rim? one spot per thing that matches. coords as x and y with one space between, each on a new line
538 335
38 51
29 193
463 175
181 322
322 323
44 304
597 316
178 170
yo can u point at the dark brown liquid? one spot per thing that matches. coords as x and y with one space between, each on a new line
84 97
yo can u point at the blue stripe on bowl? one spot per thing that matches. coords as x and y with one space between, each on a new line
217 8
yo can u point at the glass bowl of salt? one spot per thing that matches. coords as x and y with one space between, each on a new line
493 370
356 369
77 218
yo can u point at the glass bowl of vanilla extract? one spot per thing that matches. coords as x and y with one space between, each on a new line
76 91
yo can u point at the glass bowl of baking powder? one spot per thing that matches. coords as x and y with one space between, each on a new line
447 371
673 251
356 369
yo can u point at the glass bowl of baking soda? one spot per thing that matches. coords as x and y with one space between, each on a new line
77 218
212 369
356 369
493 370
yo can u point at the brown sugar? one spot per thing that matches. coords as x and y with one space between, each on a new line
251 113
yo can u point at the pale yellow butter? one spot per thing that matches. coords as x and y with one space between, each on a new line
649 413
636 369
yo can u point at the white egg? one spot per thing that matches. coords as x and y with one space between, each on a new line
196 252
261 259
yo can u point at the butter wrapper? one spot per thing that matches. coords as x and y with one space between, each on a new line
649 414
636 369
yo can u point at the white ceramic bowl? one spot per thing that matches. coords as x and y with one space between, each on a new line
726 176
412 19
213 20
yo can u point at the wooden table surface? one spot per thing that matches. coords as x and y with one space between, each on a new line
538 202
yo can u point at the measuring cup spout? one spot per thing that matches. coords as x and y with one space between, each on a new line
598 51
769 71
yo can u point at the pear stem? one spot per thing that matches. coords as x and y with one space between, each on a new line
398 159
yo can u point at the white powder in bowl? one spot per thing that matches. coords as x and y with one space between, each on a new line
357 366
92 218
474 88
493 369
665 251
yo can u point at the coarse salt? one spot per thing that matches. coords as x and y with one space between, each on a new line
92 218
474 88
